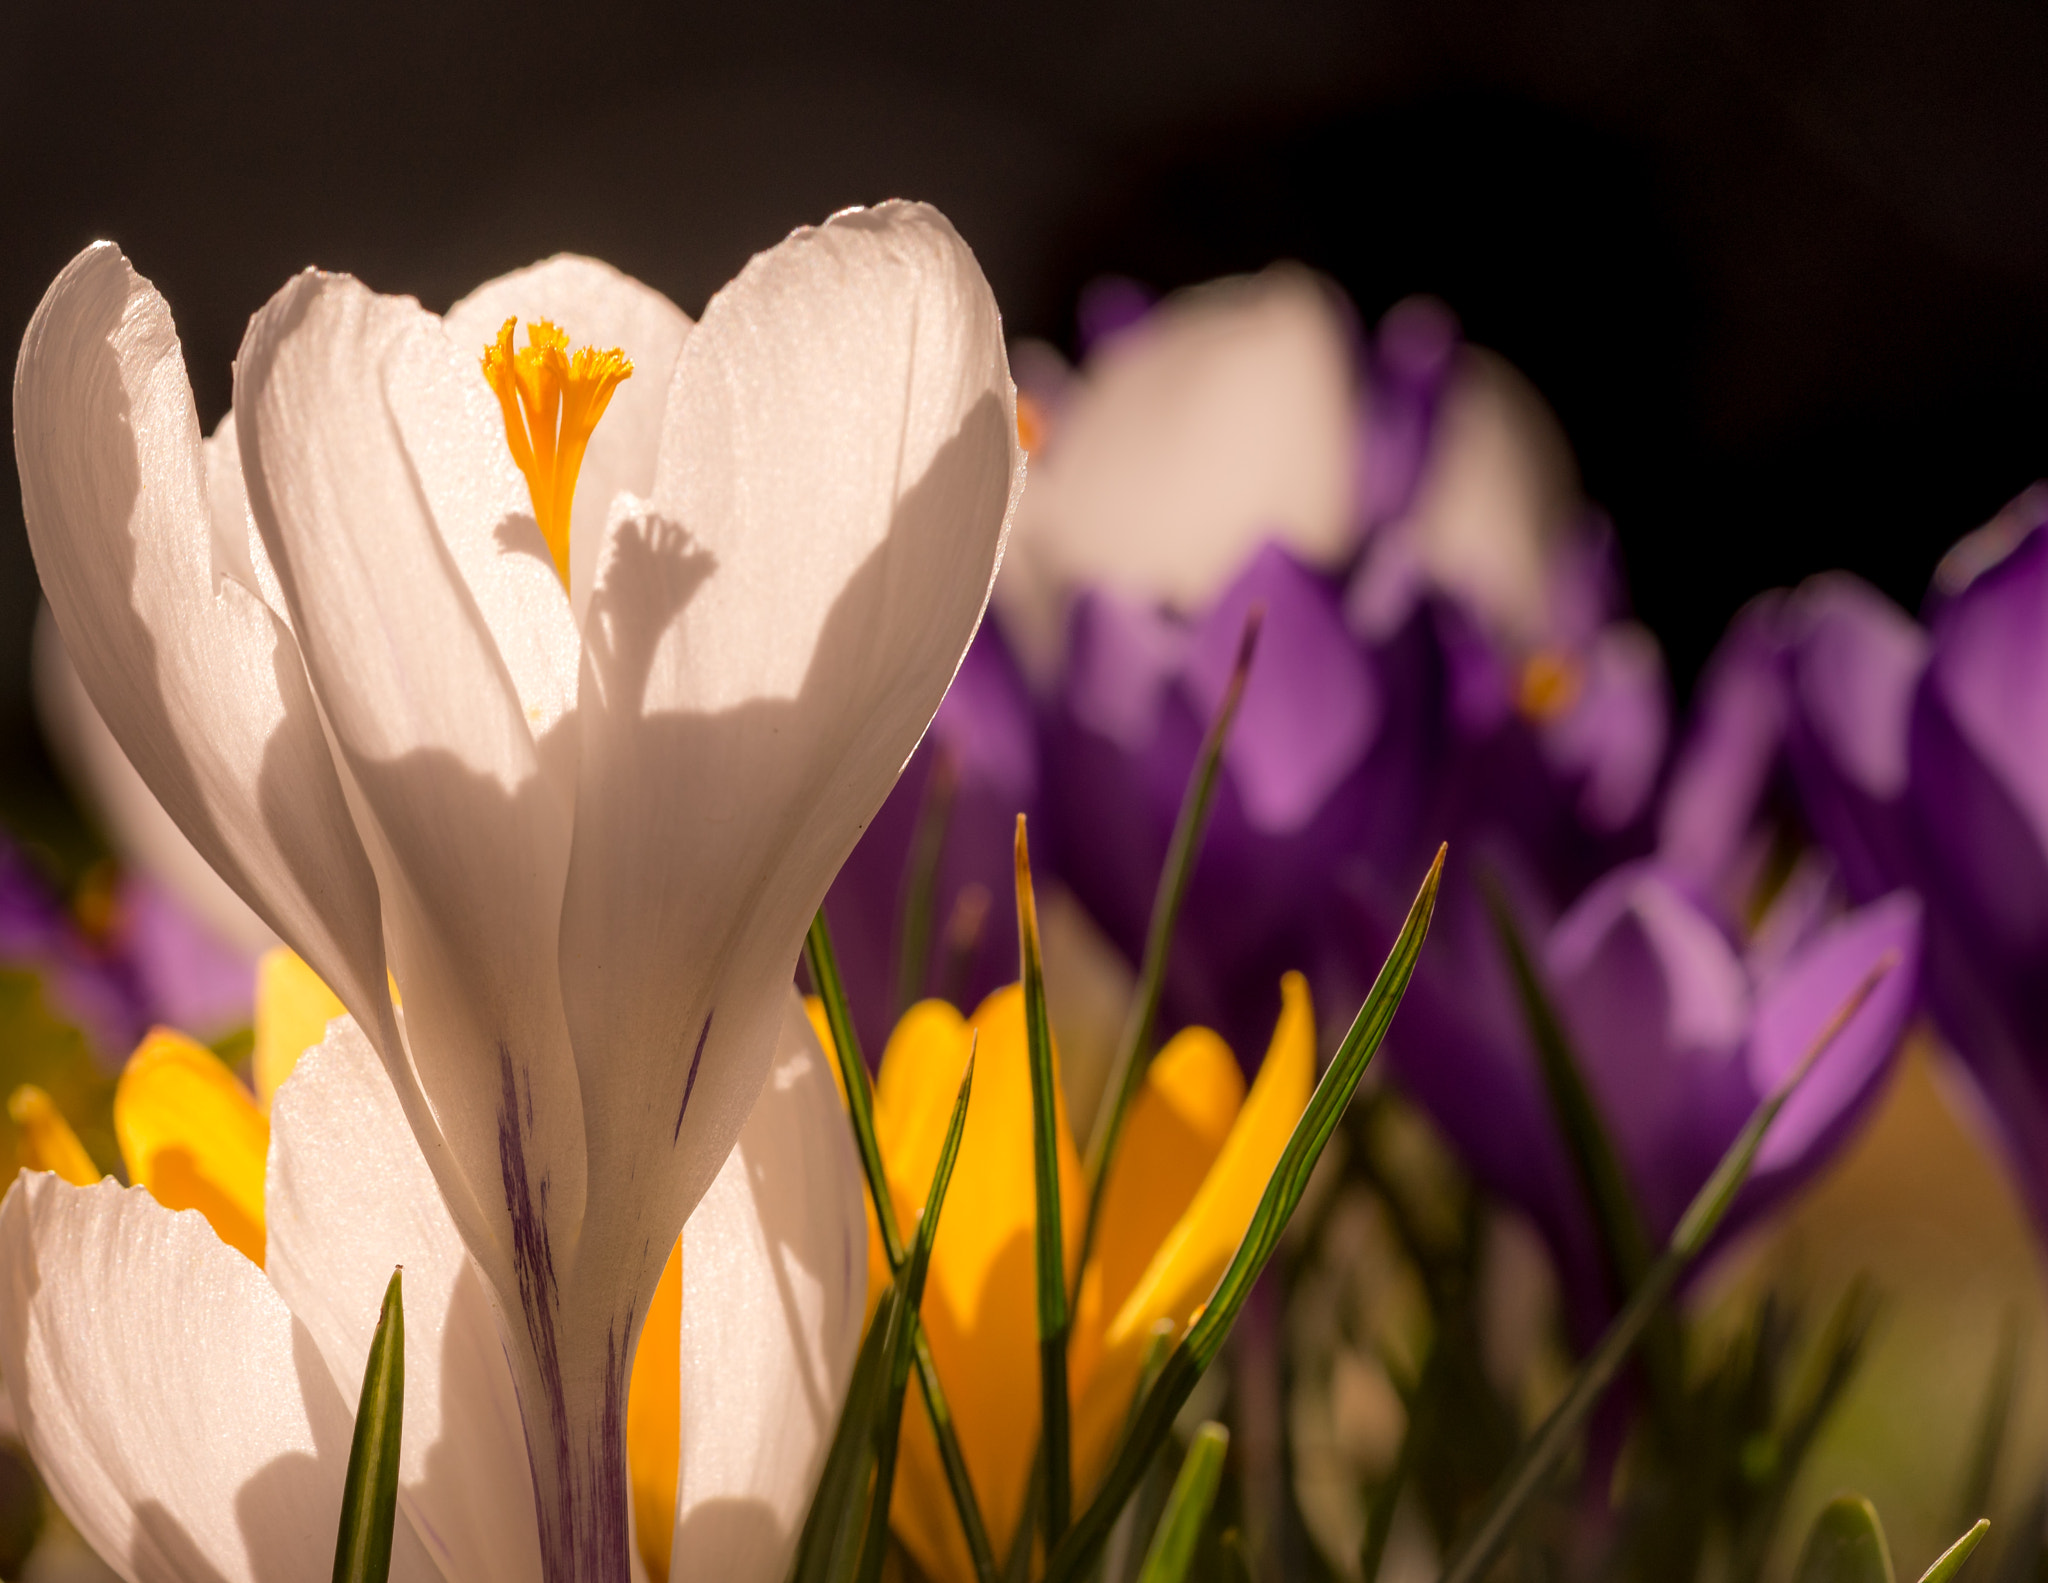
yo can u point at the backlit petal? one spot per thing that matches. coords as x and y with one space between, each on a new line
400 534
769 635
980 1301
197 680
45 1140
1177 1126
1184 1271
595 305
1222 419
182 1420
349 1197
293 1009
774 1285
192 1135
653 1423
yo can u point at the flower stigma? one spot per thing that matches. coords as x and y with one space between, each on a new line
1549 685
552 400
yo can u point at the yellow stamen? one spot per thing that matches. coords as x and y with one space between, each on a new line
1549 685
45 1139
1031 424
193 1136
552 399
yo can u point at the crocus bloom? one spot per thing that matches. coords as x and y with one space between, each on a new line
216 1450
1933 775
583 828
1680 1031
1195 1157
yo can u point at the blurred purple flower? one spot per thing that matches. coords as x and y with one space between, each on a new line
1680 1033
979 761
1930 768
1329 766
148 962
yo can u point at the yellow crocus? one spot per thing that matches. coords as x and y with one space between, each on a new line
1196 1154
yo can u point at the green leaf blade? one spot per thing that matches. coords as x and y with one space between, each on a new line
1049 1245
369 1497
1950 1561
1845 1545
1187 1507
1188 1360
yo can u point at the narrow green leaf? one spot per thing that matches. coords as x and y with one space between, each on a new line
829 1548
860 1110
1618 1220
1134 1049
1988 1444
921 879
1950 1561
853 1072
1187 1508
1198 1348
369 1496
1056 1444
898 1346
1541 1453
1846 1545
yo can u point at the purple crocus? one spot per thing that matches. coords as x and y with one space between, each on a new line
1929 767
974 772
1680 1031
1329 765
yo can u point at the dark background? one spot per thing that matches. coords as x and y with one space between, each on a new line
1782 270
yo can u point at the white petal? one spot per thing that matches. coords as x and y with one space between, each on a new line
1496 495
183 1421
774 1286
1223 419
595 305
102 777
386 498
347 1197
770 635
202 687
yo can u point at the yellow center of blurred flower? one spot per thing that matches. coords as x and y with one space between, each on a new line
1550 684
551 399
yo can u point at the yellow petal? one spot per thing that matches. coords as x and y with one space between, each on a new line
1184 1111
193 1136
45 1140
1184 1270
980 1298
653 1419
293 1008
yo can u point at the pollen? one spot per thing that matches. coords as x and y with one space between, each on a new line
552 399
1550 684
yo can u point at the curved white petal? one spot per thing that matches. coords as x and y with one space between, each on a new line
183 1421
769 637
200 684
1497 493
595 305
105 781
400 534
774 1286
1223 419
348 1196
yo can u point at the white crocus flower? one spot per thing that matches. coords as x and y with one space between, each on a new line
193 1416
586 850
1226 417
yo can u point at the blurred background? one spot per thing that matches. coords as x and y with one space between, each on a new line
1780 270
